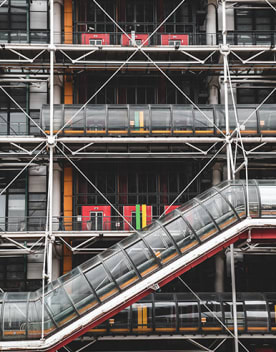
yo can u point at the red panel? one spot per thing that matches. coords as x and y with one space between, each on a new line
261 234
171 208
129 209
165 38
125 41
105 209
85 37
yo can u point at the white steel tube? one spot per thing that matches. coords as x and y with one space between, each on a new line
229 173
50 229
211 23
51 148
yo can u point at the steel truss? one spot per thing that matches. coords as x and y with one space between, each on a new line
41 62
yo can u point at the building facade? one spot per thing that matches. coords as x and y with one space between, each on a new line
114 113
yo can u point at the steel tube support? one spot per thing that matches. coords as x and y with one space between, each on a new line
219 259
51 148
50 215
211 23
234 299
225 52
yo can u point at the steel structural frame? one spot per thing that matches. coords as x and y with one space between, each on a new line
225 50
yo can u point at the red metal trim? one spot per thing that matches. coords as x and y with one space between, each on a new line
261 234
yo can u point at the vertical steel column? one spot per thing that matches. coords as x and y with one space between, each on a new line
225 53
211 23
51 147
219 258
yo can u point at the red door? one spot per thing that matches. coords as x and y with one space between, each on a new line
96 217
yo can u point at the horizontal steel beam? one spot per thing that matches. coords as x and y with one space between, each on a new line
133 140
119 48
177 337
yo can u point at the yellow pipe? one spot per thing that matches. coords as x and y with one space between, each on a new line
144 215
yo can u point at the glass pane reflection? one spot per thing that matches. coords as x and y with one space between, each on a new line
121 270
101 282
201 222
161 245
182 234
142 258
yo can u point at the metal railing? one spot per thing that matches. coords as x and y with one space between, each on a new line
97 39
70 223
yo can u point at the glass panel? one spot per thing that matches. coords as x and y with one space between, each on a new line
15 320
121 270
207 194
129 240
80 293
117 120
34 321
142 317
161 245
45 116
182 235
142 258
210 313
228 315
271 301
165 316
229 194
95 118
77 123
248 125
257 315
89 263
16 209
192 203
238 202
58 117
202 124
160 119
253 201
139 119
110 251
220 118
120 322
59 306
188 316
2 212
182 119
168 216
3 123
268 200
201 222
101 283
18 123
220 211
267 119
